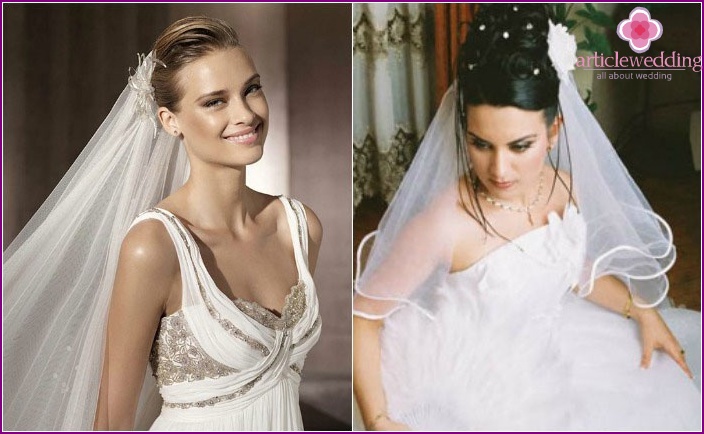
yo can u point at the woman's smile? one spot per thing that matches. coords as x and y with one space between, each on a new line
247 136
223 116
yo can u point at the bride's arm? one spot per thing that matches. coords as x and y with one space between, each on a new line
315 238
367 376
612 294
425 243
147 271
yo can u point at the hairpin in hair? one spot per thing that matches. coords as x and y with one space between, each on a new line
140 82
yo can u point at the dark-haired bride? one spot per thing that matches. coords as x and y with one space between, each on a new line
513 282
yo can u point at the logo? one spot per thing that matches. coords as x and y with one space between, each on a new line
639 30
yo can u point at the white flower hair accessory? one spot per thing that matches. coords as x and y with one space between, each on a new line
562 49
141 82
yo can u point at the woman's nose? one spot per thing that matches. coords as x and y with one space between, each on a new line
241 113
499 165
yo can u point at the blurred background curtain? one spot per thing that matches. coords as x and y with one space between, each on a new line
451 25
403 62
392 75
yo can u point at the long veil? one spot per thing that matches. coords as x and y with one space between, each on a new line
58 273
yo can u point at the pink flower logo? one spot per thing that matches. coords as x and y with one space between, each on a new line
639 30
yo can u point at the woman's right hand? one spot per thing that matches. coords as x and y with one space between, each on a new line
655 335
387 424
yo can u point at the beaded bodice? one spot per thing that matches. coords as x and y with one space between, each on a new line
215 350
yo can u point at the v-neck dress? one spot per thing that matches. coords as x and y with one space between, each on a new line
224 365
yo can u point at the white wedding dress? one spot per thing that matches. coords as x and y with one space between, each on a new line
224 365
511 348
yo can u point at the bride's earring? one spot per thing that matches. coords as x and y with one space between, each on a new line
472 175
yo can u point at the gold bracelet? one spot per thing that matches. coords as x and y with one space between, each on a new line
627 309
377 418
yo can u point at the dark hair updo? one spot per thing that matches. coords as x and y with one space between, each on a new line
183 42
504 61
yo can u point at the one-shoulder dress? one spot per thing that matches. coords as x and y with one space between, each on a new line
512 348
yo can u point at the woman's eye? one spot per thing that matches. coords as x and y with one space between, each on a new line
214 102
253 89
480 145
521 147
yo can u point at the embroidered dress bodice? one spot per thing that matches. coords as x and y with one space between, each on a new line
219 362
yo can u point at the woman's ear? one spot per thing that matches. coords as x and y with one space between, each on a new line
554 131
168 121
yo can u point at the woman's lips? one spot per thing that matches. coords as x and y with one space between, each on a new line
244 137
503 185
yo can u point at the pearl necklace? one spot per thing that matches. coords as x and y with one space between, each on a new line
514 208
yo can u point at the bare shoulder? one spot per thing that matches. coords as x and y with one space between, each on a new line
147 269
439 217
467 217
562 191
148 249
315 236
315 228
272 208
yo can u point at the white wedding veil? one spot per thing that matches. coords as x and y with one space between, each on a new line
58 273
411 251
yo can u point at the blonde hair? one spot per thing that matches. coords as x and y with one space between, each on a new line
183 42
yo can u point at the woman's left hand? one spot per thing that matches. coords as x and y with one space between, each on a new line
655 335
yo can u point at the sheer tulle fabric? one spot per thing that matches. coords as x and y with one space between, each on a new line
410 253
58 276
625 237
411 249
512 348
58 273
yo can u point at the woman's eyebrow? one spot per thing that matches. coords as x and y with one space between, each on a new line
252 78
222 92
513 142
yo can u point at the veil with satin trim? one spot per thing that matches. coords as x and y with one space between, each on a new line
412 247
